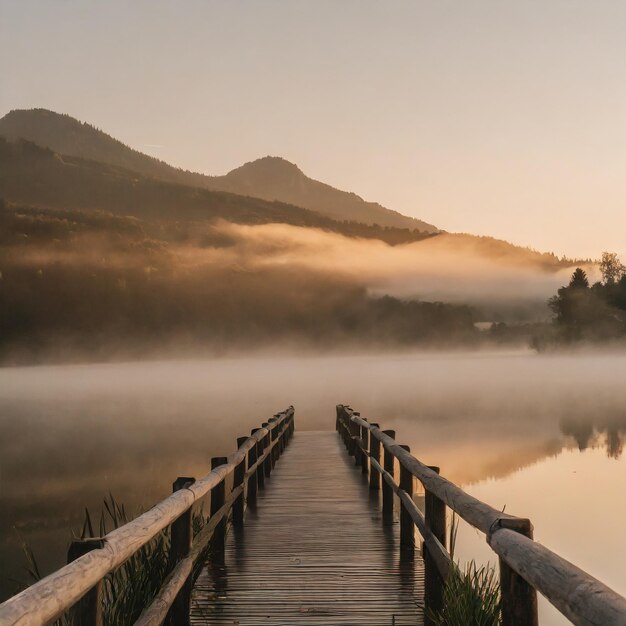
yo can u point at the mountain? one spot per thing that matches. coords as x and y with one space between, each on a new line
37 176
274 178
152 190
269 178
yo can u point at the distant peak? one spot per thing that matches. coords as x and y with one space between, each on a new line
268 166
38 113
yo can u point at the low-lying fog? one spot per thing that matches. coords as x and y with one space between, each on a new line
71 434
449 267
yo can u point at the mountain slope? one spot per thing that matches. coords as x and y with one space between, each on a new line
274 178
270 178
33 175
36 176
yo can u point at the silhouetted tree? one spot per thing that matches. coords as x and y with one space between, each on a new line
611 268
579 279
590 313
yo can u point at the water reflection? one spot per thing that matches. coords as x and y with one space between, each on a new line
576 503
608 433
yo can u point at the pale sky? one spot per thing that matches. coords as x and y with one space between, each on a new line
491 117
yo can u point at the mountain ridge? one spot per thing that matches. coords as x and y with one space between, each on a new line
37 176
268 178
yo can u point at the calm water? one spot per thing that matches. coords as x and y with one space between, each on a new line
539 435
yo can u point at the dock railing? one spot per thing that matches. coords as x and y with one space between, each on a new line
525 565
77 587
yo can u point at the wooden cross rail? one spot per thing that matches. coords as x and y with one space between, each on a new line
77 586
525 565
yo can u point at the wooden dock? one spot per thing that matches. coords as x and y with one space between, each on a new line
313 538
312 551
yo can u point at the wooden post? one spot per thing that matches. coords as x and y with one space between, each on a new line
283 437
254 479
88 610
274 449
518 598
435 515
267 464
280 435
375 454
339 424
407 531
365 438
238 477
218 496
279 441
355 431
260 472
387 490
351 444
345 430
181 536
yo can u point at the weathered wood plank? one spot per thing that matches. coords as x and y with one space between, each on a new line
314 551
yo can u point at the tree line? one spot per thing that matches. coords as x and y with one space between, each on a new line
591 312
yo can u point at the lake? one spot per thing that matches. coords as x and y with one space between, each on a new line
539 435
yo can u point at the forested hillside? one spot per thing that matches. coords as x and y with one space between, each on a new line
268 178
77 284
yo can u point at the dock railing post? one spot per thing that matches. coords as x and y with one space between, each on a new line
435 516
218 497
518 598
280 445
389 463
346 430
283 438
267 464
256 480
355 433
274 449
375 454
88 610
181 536
341 425
279 435
407 531
238 479
365 440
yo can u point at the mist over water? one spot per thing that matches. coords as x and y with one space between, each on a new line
71 434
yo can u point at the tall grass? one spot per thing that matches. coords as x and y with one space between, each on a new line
132 587
470 597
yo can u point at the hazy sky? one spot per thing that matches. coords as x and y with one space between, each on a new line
492 117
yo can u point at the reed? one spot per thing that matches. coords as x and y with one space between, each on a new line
471 596
129 589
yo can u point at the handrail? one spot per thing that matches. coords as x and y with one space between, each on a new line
49 598
156 612
472 510
439 553
583 599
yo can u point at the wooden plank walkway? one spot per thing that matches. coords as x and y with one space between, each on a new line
313 552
